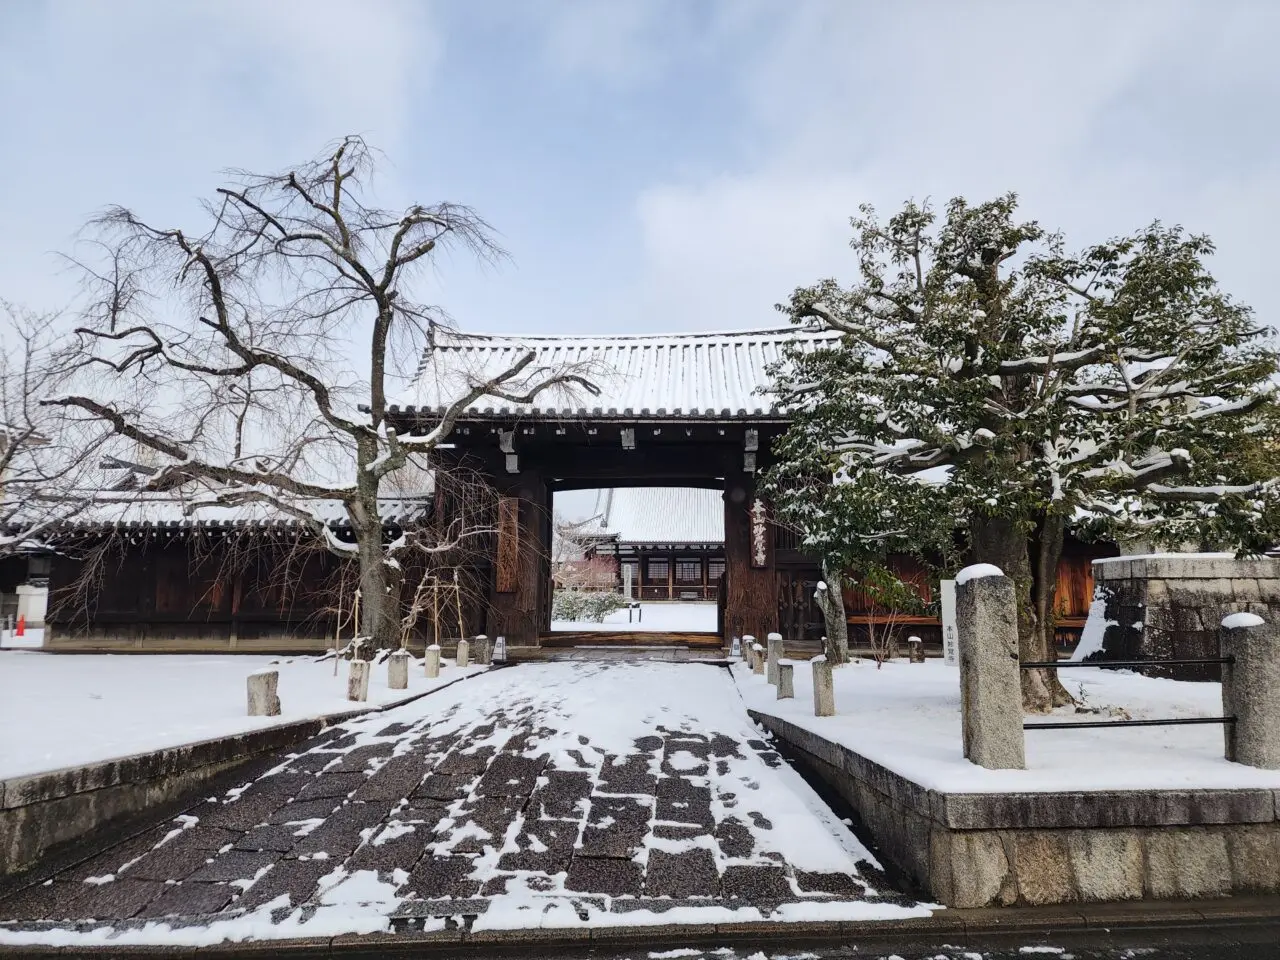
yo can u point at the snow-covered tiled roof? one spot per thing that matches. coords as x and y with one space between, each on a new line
647 376
661 514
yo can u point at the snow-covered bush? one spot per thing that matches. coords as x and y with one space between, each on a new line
585 605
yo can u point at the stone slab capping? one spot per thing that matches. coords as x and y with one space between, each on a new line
358 681
990 681
464 653
263 700
824 689
786 680
757 659
774 654
484 651
1251 690
398 670
431 661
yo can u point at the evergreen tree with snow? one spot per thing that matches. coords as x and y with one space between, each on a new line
990 389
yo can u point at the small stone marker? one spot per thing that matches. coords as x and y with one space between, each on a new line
500 649
775 654
398 670
757 662
824 688
916 648
1251 690
484 651
431 661
358 681
735 648
263 701
786 680
990 680
463 656
749 645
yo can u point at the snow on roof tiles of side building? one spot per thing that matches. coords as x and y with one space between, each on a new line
650 376
661 514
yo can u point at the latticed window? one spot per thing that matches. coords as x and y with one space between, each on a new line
689 571
657 571
714 569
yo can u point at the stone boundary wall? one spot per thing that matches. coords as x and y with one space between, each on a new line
1170 606
999 849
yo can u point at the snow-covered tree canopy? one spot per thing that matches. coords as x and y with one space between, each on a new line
986 371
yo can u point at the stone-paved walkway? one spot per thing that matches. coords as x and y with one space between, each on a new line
540 795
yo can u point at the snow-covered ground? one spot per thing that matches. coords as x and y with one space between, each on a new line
31 639
65 710
674 616
906 717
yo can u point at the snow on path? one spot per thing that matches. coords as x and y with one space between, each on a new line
906 717
675 616
66 710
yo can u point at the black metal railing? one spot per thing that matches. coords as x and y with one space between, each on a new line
1167 662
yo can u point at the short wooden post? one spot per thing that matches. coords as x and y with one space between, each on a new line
398 670
431 662
263 701
1251 690
990 681
824 690
786 680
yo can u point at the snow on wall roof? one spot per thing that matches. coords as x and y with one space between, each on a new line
661 514
687 375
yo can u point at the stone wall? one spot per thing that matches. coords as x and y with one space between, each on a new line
980 850
1169 606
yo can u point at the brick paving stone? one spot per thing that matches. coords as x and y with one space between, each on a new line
677 831
511 776
722 746
461 762
343 741
278 837
756 884
735 838
682 802
628 774
440 786
297 878
649 744
234 865
608 877
331 785
394 730
54 901
357 760
190 899
113 859
838 884
760 820
691 873
313 762
443 877
562 797
119 900
309 810
425 811
395 779
401 851
172 861
545 846
677 762
243 813
205 837
340 834
771 758
616 826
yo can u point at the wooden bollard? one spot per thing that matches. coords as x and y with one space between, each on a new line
263 701
786 680
398 670
824 690
431 662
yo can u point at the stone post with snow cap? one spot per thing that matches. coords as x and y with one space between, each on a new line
263 701
431 661
463 656
775 655
358 681
1251 690
915 648
824 690
749 648
786 680
757 658
398 670
484 650
990 678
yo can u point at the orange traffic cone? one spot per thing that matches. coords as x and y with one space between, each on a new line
22 627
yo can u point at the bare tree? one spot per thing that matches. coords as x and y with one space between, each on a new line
228 350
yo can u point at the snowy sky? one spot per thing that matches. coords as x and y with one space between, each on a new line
650 164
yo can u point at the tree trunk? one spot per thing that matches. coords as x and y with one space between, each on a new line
831 603
1048 553
1000 541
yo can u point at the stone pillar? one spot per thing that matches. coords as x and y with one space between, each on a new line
990 681
398 670
358 681
1251 690
915 646
824 689
749 649
786 680
431 661
33 603
757 659
463 656
484 651
263 701
775 654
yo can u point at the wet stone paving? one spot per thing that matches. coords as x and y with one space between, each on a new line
541 795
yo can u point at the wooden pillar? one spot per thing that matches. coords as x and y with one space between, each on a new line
521 607
751 600
671 575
